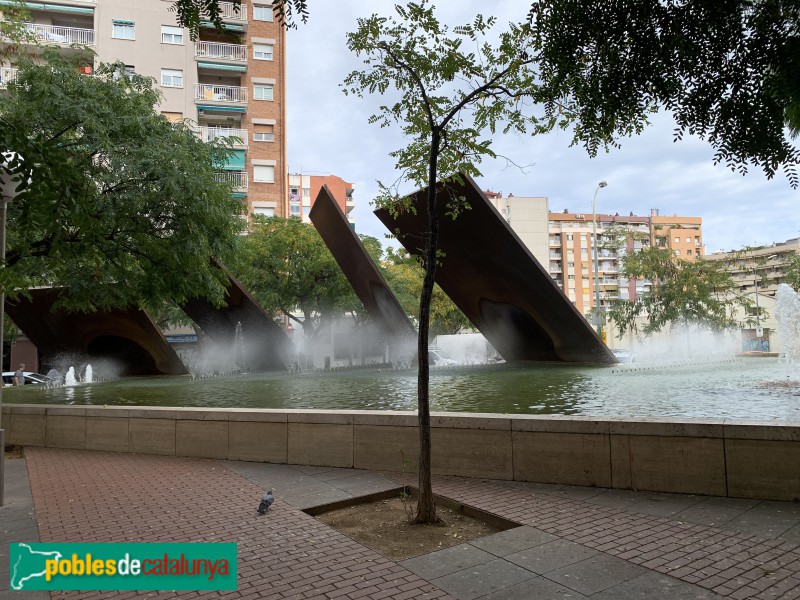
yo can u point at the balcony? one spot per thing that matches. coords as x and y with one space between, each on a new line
53 34
209 134
228 13
220 93
219 51
7 74
239 179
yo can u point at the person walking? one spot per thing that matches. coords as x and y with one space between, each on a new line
19 375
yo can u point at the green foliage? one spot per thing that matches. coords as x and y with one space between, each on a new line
117 204
683 292
404 275
288 268
726 70
792 271
190 13
454 84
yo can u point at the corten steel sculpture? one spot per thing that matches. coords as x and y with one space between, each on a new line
496 281
362 273
267 347
128 336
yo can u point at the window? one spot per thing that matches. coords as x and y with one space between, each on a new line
262 13
173 117
171 78
688 253
264 173
294 210
306 210
122 30
262 92
263 136
688 240
677 240
306 192
262 51
677 252
263 210
569 237
171 35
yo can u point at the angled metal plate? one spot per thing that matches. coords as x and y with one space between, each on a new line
267 347
498 284
129 336
362 273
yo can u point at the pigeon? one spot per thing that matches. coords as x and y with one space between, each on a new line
266 501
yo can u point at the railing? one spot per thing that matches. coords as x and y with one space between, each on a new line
227 11
220 93
209 134
237 178
61 35
7 74
220 51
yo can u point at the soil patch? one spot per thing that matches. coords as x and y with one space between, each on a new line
384 526
14 452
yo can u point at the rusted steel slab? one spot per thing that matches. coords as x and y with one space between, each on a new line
495 280
362 273
128 337
266 347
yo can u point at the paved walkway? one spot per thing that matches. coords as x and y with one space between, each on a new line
572 543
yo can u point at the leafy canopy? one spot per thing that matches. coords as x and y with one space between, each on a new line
117 204
683 292
191 13
726 70
288 268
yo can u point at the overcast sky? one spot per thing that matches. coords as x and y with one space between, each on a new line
328 132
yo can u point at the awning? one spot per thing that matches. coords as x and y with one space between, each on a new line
215 108
225 26
221 67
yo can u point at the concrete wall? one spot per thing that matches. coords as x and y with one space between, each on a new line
719 458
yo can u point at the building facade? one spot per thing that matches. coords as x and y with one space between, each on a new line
303 191
758 272
227 84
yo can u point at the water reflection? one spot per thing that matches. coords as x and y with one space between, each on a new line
755 389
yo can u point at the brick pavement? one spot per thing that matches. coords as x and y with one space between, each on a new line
577 543
286 554
732 564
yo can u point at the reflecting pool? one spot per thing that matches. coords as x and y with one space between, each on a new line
758 388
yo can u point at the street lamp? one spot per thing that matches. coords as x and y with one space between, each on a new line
8 190
597 312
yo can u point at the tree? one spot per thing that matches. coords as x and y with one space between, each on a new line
117 204
683 292
792 270
726 70
288 268
453 93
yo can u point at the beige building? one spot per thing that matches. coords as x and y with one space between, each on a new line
527 216
227 84
758 272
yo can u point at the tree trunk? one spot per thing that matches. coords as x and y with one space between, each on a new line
426 509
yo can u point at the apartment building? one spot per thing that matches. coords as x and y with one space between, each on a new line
758 272
228 84
571 251
303 191
563 244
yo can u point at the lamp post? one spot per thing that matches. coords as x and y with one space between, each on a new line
8 190
597 312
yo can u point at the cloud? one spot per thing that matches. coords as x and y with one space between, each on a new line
329 132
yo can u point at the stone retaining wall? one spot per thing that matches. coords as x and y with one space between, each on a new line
719 458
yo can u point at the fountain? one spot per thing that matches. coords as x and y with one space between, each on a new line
89 376
69 378
787 303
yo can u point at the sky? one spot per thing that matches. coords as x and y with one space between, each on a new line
329 133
